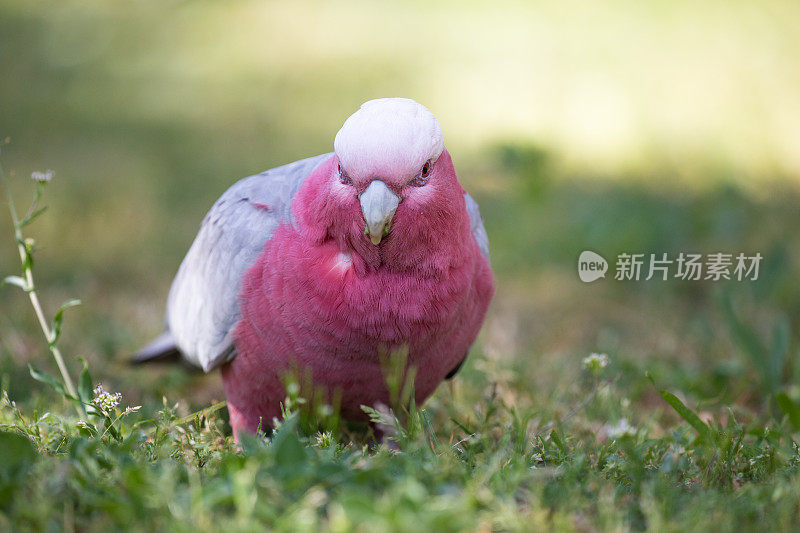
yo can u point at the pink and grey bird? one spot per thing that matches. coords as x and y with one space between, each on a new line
329 263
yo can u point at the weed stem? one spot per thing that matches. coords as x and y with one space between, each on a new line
49 333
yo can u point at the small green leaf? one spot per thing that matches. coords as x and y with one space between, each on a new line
59 318
559 442
15 280
29 246
289 451
789 408
47 379
30 218
85 389
87 430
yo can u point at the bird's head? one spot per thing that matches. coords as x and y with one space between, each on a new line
390 192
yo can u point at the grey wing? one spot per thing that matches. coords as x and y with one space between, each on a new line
203 302
482 239
476 225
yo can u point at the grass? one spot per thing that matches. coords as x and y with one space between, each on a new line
517 443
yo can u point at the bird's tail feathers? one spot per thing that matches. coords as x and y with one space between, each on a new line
162 349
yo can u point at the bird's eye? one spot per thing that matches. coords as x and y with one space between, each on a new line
422 177
343 177
426 169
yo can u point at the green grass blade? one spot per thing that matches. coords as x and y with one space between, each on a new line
779 351
748 342
687 414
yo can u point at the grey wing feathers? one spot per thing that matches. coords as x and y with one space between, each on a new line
476 225
203 302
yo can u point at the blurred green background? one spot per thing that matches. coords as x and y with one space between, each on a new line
621 126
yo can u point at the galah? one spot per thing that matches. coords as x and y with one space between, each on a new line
327 264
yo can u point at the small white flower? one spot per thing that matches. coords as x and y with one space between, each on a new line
43 177
595 362
105 401
621 429
325 439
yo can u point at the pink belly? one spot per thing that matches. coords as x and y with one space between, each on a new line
306 310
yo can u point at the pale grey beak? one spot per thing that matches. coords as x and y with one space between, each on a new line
378 203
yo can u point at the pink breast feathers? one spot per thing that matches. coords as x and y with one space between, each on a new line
304 306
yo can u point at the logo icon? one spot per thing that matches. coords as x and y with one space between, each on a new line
591 266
